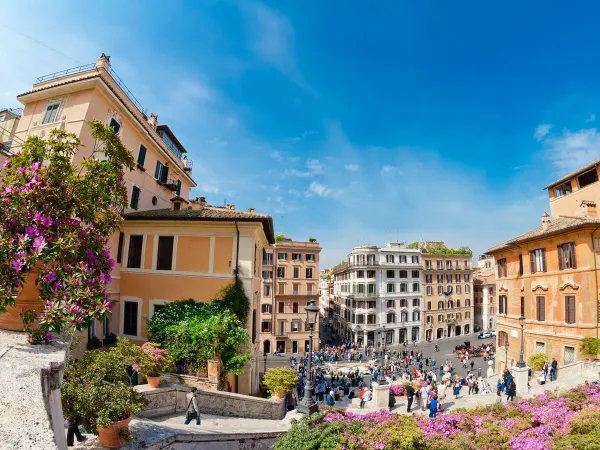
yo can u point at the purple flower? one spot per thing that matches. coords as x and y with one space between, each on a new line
16 265
31 231
105 278
50 277
38 244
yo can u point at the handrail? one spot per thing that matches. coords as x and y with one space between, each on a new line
62 73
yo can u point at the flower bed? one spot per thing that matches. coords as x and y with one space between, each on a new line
549 421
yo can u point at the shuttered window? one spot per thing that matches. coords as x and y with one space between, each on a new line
178 189
142 155
164 259
540 302
134 258
537 259
570 309
502 304
523 306
162 172
135 197
566 256
520 264
120 247
502 268
569 355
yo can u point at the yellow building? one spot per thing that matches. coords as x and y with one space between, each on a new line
550 275
9 120
291 280
170 248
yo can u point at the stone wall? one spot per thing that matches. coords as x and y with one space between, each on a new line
189 380
578 369
170 398
246 441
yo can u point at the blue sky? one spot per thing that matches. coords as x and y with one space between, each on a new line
353 124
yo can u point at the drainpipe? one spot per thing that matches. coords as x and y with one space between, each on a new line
595 277
237 252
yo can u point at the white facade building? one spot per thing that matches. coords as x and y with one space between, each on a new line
484 283
379 293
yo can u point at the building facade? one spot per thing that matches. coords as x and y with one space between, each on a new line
448 294
325 292
549 275
484 287
290 280
9 120
378 293
170 247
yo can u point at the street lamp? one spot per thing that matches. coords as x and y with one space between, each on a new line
381 378
265 360
307 405
506 355
521 361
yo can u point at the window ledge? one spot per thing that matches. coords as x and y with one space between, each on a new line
139 166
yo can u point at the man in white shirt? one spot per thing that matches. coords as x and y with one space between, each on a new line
366 398
424 391
192 410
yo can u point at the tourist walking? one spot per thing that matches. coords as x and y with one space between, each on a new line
512 390
553 369
424 394
410 395
192 411
73 431
433 407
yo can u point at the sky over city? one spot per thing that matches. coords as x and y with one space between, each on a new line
349 122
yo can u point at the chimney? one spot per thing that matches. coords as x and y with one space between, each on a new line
545 221
103 62
588 208
202 200
231 207
250 210
199 203
153 121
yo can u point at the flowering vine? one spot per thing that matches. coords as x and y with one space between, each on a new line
55 221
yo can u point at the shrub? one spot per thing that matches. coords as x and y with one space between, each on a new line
392 401
590 347
537 360
154 361
280 380
94 343
397 389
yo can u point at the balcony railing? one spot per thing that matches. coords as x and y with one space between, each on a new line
367 263
363 295
307 293
63 73
281 333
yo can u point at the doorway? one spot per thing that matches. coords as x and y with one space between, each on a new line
294 346
440 333
428 334
402 336
458 330
467 329
281 346
267 347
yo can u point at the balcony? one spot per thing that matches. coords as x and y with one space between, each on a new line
281 333
365 264
303 293
363 295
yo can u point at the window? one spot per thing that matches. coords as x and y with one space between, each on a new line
428 306
295 325
467 303
134 258
440 289
540 347
105 327
370 288
115 125
523 306
416 287
266 308
403 316
296 288
265 326
281 272
502 268
281 307
429 290
439 264
457 278
416 274
403 303
587 178
468 315
569 357
537 258
281 256
50 114
371 305
91 330
178 188
161 172
566 256
458 303
164 258
563 189
458 288
450 304
281 288
390 274
540 302
141 155
391 317
416 316
135 197
467 277
503 339
403 259
296 256
389 258
390 303
520 264
296 272
120 247
403 287
267 275
416 302
311 257
428 278
415 259
502 300
130 318
428 264
360 274
403 274
267 290
449 265
309 272
177 206
467 289
570 309
371 319
370 274
391 288
370 259
449 278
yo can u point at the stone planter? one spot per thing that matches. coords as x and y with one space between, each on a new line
114 436
280 395
153 382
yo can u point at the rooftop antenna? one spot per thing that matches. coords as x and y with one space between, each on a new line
225 201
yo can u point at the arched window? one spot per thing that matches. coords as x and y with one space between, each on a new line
450 303
403 303
458 303
440 305
391 317
403 316
429 320
416 315
416 302
467 302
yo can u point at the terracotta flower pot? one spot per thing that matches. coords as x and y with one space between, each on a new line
115 435
279 394
153 382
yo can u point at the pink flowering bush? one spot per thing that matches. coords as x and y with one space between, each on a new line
55 221
153 361
569 420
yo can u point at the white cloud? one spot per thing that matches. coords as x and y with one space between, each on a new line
276 155
390 170
541 131
294 192
313 166
572 149
352 167
208 188
322 190
591 118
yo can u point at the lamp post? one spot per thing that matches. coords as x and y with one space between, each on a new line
307 405
381 378
521 361
506 355
265 361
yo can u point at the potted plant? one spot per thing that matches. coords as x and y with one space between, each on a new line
280 381
590 347
110 339
94 343
153 362
97 389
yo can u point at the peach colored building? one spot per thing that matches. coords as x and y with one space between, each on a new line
550 275
170 248
290 280
9 120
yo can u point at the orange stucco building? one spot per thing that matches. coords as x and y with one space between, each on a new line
171 247
550 275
